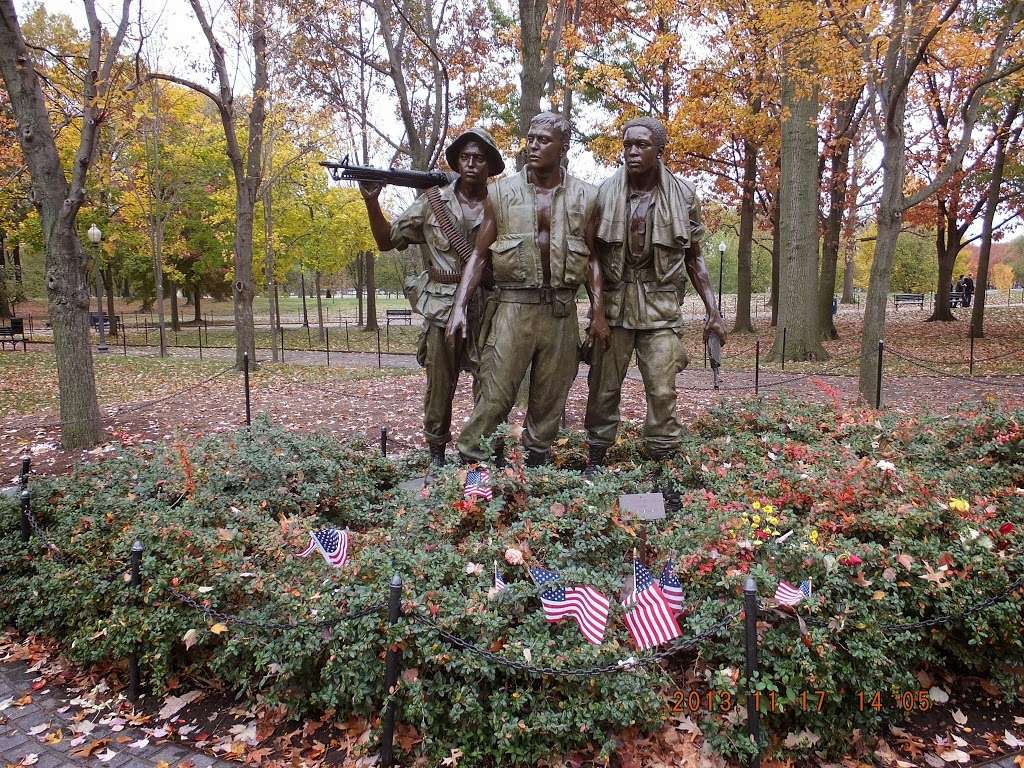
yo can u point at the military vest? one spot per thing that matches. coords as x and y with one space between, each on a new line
515 256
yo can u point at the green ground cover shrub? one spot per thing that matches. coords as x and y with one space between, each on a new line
895 519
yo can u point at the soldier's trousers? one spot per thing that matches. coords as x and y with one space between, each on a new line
521 335
443 364
660 356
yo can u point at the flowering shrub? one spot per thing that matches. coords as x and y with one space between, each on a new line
777 491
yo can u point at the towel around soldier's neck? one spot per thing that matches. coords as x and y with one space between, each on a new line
671 210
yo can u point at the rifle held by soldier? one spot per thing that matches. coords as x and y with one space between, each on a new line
399 177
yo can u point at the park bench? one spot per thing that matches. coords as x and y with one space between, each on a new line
110 321
396 314
909 298
956 299
13 333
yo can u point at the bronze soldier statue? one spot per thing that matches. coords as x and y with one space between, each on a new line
476 157
648 232
534 236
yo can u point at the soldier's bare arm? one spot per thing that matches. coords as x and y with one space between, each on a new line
473 272
379 224
598 330
698 272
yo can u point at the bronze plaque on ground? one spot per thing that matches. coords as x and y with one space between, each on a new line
642 506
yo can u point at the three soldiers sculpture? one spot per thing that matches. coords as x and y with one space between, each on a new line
506 305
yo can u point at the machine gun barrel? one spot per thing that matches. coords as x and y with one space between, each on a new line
715 356
345 171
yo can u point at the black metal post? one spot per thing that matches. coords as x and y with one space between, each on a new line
721 264
392 665
753 715
245 376
878 375
309 339
383 441
327 343
348 346
200 331
26 467
784 349
124 337
206 327
971 368
379 364
388 332
26 502
145 331
282 343
135 584
757 365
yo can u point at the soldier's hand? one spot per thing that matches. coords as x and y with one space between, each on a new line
456 327
370 189
715 325
599 331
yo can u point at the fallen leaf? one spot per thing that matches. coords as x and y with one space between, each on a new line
1011 740
204 590
107 756
30 759
959 717
219 628
938 695
190 638
955 756
36 730
174 704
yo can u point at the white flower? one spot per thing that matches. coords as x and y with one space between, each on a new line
886 466
474 569
513 556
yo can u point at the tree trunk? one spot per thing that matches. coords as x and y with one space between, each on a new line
67 284
850 233
175 320
991 204
531 76
197 297
319 309
268 268
798 266
743 255
108 288
947 247
243 290
776 254
833 228
371 294
359 286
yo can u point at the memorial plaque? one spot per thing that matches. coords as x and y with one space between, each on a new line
416 484
642 506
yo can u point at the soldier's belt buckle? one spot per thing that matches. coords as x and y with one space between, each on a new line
547 294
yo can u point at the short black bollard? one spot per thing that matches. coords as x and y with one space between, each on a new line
784 349
26 503
245 378
753 699
379 365
757 365
135 584
26 467
327 343
124 337
392 664
200 330
348 346
383 441
878 375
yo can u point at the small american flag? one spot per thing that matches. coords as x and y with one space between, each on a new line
649 617
332 543
584 604
671 588
499 583
478 484
787 594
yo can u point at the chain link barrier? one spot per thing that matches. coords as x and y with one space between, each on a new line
621 665
947 375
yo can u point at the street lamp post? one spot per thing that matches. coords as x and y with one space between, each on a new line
721 264
94 237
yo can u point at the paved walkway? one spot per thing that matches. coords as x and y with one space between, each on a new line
23 711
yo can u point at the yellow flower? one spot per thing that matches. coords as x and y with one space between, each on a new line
756 505
813 537
755 521
769 509
959 505
772 520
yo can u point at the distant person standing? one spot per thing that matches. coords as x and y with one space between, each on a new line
957 297
968 290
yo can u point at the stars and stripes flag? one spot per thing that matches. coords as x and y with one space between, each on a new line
332 544
584 604
787 594
478 484
649 617
499 582
671 588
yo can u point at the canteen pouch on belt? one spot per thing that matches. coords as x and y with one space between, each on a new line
413 288
563 307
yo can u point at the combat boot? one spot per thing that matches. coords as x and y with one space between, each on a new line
437 455
595 460
536 458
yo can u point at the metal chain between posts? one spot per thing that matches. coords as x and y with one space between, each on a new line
946 374
231 618
826 371
621 665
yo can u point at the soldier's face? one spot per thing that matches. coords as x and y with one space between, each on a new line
543 147
473 162
639 151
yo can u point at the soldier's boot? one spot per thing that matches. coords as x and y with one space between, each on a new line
536 458
437 455
595 460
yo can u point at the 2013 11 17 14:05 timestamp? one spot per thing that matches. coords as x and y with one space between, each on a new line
808 701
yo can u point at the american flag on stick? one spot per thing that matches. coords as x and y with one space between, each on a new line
787 594
671 588
332 543
478 484
649 617
584 604
499 583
